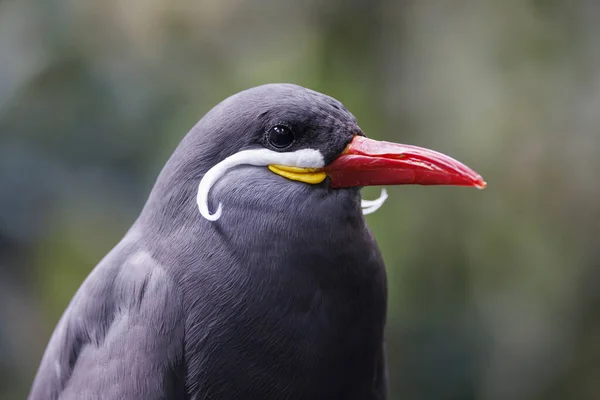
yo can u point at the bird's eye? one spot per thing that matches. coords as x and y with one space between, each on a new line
280 136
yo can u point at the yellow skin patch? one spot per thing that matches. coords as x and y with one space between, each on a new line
306 175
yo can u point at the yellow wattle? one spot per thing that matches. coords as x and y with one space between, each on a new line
306 175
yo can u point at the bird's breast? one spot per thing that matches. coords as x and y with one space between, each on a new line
304 318
285 298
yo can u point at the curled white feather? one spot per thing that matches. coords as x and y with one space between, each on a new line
370 206
305 158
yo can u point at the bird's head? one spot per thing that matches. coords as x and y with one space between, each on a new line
302 137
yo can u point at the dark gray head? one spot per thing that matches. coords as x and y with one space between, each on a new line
247 120
274 124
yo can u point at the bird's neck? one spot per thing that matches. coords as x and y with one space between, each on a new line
262 214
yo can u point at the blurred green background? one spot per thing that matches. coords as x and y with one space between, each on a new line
494 294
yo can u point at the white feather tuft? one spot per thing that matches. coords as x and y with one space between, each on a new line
370 206
305 158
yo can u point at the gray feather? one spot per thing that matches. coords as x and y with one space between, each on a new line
121 336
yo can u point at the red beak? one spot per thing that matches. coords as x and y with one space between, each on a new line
367 162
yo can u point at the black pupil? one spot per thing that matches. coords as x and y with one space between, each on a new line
280 136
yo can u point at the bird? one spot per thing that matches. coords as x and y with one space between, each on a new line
250 272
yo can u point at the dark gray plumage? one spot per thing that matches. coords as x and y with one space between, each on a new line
284 297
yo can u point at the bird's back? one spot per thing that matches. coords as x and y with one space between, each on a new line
126 315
